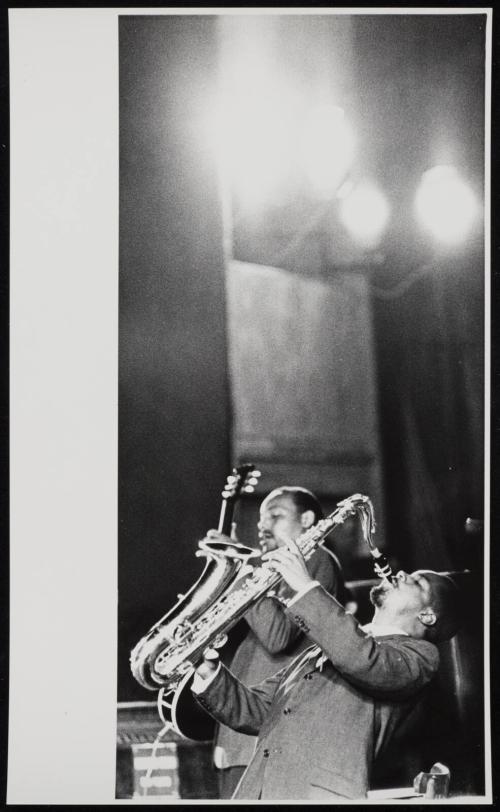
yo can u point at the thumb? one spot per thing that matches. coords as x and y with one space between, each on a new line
211 655
209 663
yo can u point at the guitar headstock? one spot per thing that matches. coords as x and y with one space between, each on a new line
243 479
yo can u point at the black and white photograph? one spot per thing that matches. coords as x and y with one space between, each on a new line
250 310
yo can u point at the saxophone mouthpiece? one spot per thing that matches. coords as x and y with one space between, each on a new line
382 567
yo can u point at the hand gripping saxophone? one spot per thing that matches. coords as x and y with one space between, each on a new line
230 584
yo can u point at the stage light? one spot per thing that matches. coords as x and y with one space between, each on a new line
445 204
328 146
250 129
365 212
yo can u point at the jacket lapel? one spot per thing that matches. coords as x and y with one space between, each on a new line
306 663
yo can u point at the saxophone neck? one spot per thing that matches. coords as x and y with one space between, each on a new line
353 505
226 549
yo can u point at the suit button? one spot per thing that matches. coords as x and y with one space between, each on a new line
308 676
266 753
286 711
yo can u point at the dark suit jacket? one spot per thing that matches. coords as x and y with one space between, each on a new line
272 641
320 730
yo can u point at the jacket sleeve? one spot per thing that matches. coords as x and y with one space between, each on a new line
393 667
275 629
235 705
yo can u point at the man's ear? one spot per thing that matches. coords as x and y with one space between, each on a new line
307 518
427 617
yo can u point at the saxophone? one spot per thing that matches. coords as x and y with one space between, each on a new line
223 561
166 658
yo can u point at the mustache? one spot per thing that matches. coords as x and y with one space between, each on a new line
378 593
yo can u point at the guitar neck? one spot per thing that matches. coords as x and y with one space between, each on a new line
242 480
226 517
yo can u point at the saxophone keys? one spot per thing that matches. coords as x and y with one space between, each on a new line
219 641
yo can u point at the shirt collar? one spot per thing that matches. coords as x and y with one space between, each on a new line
382 630
374 629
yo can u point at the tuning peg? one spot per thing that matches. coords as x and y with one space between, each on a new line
248 489
255 472
253 480
226 493
232 479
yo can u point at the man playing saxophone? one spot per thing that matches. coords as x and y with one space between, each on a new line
273 638
322 720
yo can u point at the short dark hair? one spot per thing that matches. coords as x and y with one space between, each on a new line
446 604
302 499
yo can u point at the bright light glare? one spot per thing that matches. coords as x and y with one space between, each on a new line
445 204
250 130
327 148
365 212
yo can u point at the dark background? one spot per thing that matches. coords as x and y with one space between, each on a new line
173 396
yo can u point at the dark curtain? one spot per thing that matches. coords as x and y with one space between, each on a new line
431 363
431 377
420 100
174 412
